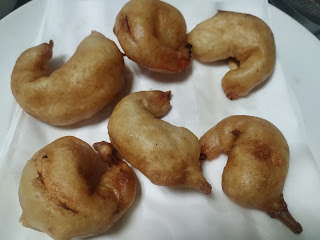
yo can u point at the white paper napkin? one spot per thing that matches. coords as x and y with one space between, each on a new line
198 103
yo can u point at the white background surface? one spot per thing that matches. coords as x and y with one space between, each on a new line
160 212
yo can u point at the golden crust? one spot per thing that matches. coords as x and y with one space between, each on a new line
67 191
167 155
241 36
153 34
258 161
81 87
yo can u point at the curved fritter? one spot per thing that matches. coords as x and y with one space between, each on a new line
167 155
67 191
241 36
81 87
153 34
258 161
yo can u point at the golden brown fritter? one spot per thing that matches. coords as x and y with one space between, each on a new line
153 34
241 36
258 161
67 191
166 154
81 87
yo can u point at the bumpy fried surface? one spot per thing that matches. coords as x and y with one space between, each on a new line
153 34
81 87
258 160
67 191
241 36
167 155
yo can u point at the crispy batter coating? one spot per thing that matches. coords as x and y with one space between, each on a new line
67 191
81 87
167 155
258 161
241 36
153 34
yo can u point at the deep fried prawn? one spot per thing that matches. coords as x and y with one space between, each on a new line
241 36
80 88
167 155
153 34
258 161
67 191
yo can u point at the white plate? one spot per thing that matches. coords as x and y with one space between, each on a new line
298 51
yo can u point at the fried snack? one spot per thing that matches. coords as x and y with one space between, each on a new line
167 155
241 36
258 161
67 191
153 34
80 88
